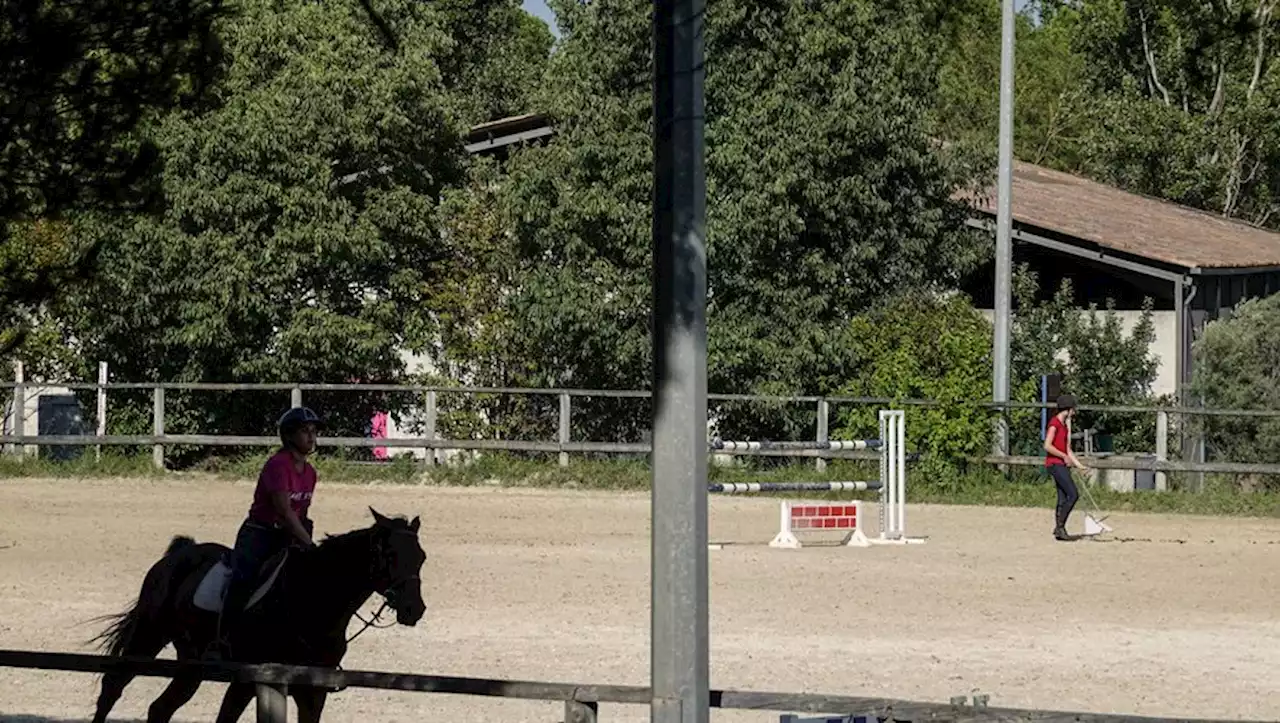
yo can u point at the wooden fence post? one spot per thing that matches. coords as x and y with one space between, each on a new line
1162 448
824 419
102 407
273 706
19 409
431 426
157 418
578 711
565 412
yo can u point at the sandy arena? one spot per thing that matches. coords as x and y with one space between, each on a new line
543 585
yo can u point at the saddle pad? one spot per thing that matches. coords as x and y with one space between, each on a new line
213 588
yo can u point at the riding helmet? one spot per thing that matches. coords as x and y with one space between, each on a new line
297 417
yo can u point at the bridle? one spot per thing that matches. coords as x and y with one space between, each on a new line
389 592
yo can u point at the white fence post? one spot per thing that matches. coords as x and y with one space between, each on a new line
431 426
102 407
295 397
824 417
157 449
565 412
1162 448
19 409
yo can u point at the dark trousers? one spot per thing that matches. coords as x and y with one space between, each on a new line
255 544
1068 494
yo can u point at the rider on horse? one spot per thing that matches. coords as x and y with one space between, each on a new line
277 518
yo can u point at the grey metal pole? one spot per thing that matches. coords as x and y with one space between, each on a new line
679 650
1004 223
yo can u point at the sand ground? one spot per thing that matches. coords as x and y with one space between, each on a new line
1179 620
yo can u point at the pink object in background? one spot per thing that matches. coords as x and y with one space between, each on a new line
379 431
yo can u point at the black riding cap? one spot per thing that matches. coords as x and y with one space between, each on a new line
297 417
1066 401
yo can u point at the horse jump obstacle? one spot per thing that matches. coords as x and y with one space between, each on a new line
811 516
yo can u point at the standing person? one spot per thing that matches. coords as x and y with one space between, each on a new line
1059 460
277 517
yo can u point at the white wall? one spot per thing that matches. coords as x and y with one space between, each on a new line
1164 347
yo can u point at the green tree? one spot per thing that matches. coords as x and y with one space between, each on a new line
1099 361
77 78
935 348
1179 100
301 221
1235 369
826 196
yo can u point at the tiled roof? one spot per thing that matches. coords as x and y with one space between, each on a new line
1121 221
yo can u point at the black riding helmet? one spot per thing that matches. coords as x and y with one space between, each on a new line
1066 401
295 418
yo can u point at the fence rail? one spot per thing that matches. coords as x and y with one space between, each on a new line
430 444
581 700
626 394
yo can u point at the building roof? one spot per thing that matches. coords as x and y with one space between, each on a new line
1129 223
495 135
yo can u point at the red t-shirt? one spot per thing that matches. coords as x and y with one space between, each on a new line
1061 440
278 474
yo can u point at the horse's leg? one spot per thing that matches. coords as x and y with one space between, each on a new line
177 693
235 701
144 642
310 703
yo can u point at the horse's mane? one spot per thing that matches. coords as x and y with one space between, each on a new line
398 521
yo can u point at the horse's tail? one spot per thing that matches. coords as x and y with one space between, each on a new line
114 640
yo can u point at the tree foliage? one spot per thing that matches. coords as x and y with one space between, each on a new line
1176 99
77 77
1236 368
300 224
826 196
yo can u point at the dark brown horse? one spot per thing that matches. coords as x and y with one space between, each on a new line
301 621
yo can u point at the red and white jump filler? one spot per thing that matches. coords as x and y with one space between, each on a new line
847 516
820 517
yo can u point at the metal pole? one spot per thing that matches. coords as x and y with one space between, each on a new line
1004 243
102 407
679 648
295 397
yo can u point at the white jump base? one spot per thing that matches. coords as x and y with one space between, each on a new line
847 517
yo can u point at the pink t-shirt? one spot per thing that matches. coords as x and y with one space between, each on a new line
278 474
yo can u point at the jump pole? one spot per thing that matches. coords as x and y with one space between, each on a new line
811 516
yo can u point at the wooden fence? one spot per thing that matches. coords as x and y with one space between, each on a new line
581 701
563 445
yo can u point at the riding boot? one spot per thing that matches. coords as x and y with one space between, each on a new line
233 605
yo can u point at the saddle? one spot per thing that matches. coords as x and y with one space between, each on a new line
212 589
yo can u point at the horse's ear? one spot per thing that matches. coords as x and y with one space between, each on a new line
381 520
415 524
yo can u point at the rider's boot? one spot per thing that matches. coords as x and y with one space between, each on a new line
233 604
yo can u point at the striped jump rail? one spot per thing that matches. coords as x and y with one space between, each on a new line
838 516
836 445
730 488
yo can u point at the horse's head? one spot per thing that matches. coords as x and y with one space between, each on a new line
397 563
